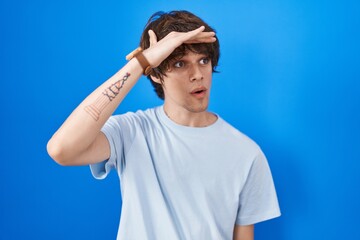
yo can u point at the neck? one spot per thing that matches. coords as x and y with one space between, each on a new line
190 118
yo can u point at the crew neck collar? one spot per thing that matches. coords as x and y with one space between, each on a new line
170 123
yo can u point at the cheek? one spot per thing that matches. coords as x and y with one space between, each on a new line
207 71
174 86
208 75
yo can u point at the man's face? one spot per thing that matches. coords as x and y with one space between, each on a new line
188 82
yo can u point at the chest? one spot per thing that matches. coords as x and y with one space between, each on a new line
208 165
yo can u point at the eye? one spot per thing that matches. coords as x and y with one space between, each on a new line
179 64
204 61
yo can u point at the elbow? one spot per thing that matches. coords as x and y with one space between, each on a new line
57 153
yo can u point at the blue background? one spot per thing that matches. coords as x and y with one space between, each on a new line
289 79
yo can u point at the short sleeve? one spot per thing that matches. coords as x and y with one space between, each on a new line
258 200
112 132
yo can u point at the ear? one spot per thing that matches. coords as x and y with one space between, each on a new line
155 79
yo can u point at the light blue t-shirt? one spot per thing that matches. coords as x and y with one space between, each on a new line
180 182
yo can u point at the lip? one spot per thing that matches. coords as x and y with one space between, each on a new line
199 92
198 89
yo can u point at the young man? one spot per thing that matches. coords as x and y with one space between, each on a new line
184 172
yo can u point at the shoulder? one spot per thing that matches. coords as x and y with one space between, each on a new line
137 115
137 119
235 136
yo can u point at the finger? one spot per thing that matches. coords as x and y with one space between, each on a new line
205 37
193 33
201 35
199 29
201 40
206 34
152 38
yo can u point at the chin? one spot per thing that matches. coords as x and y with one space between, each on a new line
198 109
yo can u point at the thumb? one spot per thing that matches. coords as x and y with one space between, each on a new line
152 38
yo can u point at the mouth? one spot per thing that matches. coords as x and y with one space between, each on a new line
199 92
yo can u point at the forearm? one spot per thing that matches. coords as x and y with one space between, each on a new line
78 141
243 232
81 128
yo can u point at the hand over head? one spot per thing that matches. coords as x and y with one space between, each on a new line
160 50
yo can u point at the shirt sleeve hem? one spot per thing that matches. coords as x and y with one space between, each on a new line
257 218
101 170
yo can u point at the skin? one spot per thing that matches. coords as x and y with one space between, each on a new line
243 232
191 73
79 140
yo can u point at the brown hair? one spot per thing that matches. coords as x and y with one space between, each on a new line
180 21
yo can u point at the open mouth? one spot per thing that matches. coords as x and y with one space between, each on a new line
199 92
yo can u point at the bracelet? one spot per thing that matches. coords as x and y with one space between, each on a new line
144 63
137 53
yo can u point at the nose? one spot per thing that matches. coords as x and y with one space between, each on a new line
196 73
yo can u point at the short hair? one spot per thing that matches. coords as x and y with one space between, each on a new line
162 24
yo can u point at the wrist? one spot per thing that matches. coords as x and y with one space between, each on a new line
144 63
142 59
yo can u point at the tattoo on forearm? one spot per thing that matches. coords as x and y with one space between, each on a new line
105 98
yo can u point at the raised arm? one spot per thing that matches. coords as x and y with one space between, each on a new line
79 140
